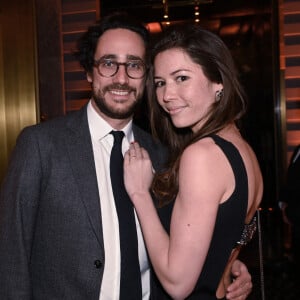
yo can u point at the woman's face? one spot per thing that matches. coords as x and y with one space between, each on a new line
182 89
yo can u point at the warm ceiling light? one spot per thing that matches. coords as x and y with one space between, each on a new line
197 12
154 27
166 9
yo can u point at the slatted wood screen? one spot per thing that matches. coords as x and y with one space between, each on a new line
77 15
290 11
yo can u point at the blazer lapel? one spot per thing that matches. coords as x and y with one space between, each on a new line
83 167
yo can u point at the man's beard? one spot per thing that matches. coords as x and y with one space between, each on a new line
109 111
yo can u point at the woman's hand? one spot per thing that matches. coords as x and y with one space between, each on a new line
138 172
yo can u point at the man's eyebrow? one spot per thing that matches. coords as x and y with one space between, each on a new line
134 57
115 57
108 56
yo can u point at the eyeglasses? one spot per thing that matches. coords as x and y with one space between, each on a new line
135 69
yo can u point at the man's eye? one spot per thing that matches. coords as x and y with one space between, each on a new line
108 64
134 65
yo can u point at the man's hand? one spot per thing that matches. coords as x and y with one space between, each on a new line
242 285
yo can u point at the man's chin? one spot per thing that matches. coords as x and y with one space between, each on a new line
117 111
119 114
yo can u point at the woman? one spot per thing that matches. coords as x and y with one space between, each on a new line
213 174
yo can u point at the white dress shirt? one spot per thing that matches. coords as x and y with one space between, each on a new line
102 144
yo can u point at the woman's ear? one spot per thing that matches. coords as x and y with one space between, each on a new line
219 86
219 95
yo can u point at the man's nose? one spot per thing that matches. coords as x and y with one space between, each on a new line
121 75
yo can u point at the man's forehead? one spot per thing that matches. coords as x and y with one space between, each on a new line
121 43
121 36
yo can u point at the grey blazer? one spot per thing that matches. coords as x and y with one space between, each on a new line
51 241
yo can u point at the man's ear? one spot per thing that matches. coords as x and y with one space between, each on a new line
89 77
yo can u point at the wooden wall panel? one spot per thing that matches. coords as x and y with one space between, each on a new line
51 95
62 83
76 17
17 74
291 53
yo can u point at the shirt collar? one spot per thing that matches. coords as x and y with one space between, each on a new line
99 128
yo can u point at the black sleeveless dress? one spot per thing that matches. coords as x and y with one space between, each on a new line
228 228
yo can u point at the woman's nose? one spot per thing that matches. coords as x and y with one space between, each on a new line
169 93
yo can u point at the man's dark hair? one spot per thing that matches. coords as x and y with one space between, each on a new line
87 44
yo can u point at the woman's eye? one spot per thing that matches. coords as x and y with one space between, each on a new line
158 84
182 78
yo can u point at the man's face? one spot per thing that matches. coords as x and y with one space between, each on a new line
116 97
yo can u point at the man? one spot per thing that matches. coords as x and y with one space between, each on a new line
59 233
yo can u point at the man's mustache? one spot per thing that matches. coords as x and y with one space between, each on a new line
117 86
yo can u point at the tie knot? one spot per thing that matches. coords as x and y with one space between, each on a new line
118 136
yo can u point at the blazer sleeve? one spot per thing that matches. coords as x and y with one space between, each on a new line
18 207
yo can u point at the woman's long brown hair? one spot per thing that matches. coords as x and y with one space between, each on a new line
209 51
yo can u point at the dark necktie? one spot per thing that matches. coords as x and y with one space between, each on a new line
130 285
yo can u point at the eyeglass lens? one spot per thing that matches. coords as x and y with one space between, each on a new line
134 69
